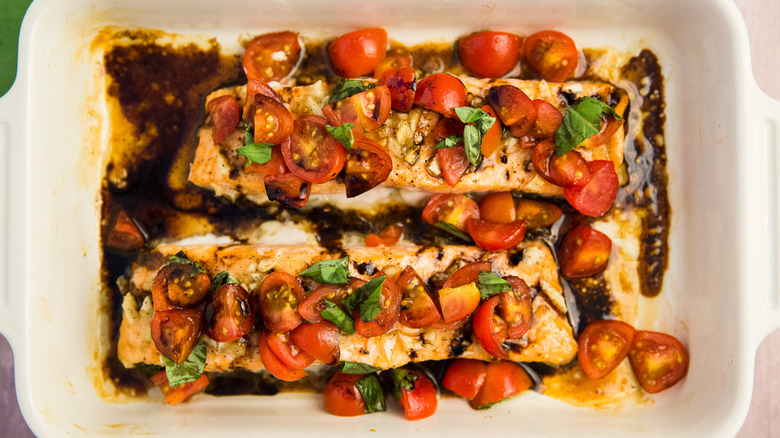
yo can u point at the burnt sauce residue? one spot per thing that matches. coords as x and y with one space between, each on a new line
162 90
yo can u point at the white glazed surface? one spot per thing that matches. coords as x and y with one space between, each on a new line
719 295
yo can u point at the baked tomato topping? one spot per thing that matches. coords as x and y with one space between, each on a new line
274 167
502 380
272 56
515 307
514 108
584 252
230 313
287 189
319 339
368 109
552 54
596 197
180 393
278 299
342 397
603 345
492 138
274 365
489 54
548 119
609 126
418 309
659 360
392 62
368 165
455 209
538 214
387 237
358 53
175 332
420 401
390 302
465 377
567 170
489 329
496 236
179 285
225 113
458 302
272 120
498 207
402 85
124 234
442 93
311 153
287 352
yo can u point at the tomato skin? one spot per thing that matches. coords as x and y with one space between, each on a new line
492 138
278 300
418 308
226 114
402 85
596 197
584 252
567 170
175 286
548 119
453 163
368 165
442 93
603 345
287 189
514 108
259 64
390 301
659 360
498 207
465 377
319 339
489 54
516 308
272 120
175 332
288 353
253 88
420 402
457 303
467 274
609 126
274 167
274 365
312 306
179 393
455 209
387 237
502 379
496 236
367 110
490 330
311 153
341 397
552 54
232 313
124 234
538 214
392 62
358 53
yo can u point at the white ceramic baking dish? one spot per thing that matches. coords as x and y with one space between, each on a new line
720 293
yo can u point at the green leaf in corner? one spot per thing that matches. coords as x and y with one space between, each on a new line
372 393
472 140
490 284
357 368
333 313
366 299
335 271
449 142
188 371
181 257
223 277
348 87
148 368
481 119
343 134
259 153
452 229
581 121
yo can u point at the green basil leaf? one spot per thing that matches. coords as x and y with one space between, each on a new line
188 371
223 277
181 257
449 142
472 140
452 229
490 284
372 393
348 87
334 314
259 153
335 271
402 379
148 369
370 305
357 368
481 119
580 122
485 123
343 134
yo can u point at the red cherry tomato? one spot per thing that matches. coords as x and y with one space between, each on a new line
175 332
272 56
230 314
569 169
320 339
538 214
342 397
124 234
609 126
287 189
387 237
392 62
502 380
390 301
548 119
358 53
290 355
402 85
367 110
659 360
603 345
312 306
455 209
514 108
420 402
274 365
179 393
368 165
584 252
278 300
492 138
226 114
458 302
553 55
498 207
179 285
489 329
273 121
253 88
467 274
516 307
597 196
453 163
495 236
418 309
489 54
465 377
311 153
274 167
441 92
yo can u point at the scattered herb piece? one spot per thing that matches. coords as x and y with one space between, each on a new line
343 134
372 393
335 271
366 299
223 277
357 368
580 122
490 284
402 379
449 142
188 371
334 314
452 229
181 257
348 87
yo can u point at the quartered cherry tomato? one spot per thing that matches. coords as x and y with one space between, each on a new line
387 237
552 54
312 306
458 302
467 274
320 339
514 108
311 153
609 126
548 120
503 316
368 165
274 365
603 345
392 62
516 307
274 167
341 397
179 393
175 332
272 56
498 207
584 252
358 53
367 110
465 377
442 93
421 401
290 354
492 138
502 380
253 88
278 299
596 197
402 85
659 360
124 234
179 285
538 214
453 161
569 169
455 209
225 113
272 120
489 54
390 302
489 329
287 189
418 309
230 313
496 236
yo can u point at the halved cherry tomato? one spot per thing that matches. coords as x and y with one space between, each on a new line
287 189
387 237
367 110
274 167
489 54
609 126
291 355
418 309
514 108
552 54
392 62
273 121
458 302
455 209
320 339
453 163
272 56
495 236
465 377
274 365
603 345
548 119
179 285
253 88
311 153
225 113
402 85
124 234
179 393
516 307
467 274
502 380
441 92
368 165
659 360
597 196
358 53
390 301
498 207
341 397
538 214
421 401
175 332
584 252
278 301
569 169
312 306
489 329
230 314
492 138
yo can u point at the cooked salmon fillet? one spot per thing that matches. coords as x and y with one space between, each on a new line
549 340
219 168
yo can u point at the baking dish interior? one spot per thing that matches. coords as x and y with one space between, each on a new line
703 49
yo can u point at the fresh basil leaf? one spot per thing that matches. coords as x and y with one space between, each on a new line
348 87
402 379
148 368
334 271
334 314
372 393
357 368
472 140
481 119
188 371
485 123
366 299
343 134
181 257
223 277
452 229
580 122
490 284
259 153
249 135
449 142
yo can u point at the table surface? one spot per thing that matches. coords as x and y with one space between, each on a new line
763 420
